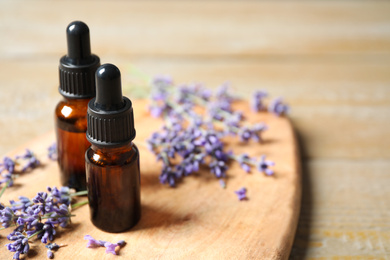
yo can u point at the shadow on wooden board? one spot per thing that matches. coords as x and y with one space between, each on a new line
302 235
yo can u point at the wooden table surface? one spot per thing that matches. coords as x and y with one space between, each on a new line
329 60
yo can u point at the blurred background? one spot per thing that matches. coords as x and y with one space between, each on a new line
330 60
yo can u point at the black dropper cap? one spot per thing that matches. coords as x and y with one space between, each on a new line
77 68
110 115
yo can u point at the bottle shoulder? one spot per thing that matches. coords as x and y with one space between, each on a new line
72 108
108 157
72 113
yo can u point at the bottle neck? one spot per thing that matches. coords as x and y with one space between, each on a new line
113 150
77 102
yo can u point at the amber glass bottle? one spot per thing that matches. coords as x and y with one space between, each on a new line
77 86
112 161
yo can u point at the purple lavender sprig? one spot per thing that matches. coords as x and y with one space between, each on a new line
19 246
40 216
31 161
8 168
196 140
7 165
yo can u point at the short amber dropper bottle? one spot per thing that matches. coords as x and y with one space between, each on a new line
77 86
112 161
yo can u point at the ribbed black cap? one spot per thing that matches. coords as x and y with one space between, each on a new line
77 68
110 115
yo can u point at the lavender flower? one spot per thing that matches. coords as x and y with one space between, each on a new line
218 168
32 161
52 152
110 248
254 132
257 103
189 140
222 183
61 195
52 246
46 231
37 217
92 243
162 81
244 161
7 165
19 246
241 194
121 243
60 216
168 176
7 217
28 219
43 203
50 254
22 204
7 178
277 107
224 94
263 165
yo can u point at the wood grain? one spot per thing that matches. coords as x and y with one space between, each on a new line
345 210
328 59
355 99
210 28
198 219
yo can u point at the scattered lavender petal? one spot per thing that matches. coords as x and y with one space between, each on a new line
121 243
92 242
241 194
50 254
52 246
110 248
222 183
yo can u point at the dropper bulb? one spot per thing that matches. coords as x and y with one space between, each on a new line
108 88
79 46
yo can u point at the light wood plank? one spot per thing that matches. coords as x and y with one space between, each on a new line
341 108
345 210
206 28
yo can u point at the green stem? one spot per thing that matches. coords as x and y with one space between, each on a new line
79 193
36 233
79 204
5 187
46 217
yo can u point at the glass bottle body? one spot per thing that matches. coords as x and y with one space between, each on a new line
71 127
113 183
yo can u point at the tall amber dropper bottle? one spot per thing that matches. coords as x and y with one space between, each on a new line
77 86
112 161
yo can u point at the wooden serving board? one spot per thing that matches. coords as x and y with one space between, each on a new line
196 220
